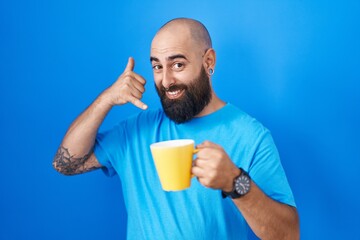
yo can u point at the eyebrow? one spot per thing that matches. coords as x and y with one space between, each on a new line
154 59
176 56
170 58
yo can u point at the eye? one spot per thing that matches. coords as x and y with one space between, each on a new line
178 65
156 67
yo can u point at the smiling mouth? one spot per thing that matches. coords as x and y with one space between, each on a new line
174 94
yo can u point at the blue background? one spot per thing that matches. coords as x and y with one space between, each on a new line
294 65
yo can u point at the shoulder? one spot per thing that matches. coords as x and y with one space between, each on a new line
244 121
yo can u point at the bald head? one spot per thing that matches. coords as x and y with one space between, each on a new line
193 28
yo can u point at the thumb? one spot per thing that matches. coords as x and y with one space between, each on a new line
130 64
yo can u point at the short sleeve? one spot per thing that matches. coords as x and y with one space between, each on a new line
108 148
267 172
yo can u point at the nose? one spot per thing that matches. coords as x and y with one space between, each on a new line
168 79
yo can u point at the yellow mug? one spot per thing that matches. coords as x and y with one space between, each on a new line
173 162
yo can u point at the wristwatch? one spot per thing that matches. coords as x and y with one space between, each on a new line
241 186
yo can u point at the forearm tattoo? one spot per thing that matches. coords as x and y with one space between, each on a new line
67 164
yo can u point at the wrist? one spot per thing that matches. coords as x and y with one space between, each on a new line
104 100
230 182
102 103
241 186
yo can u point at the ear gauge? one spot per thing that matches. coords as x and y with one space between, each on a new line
211 71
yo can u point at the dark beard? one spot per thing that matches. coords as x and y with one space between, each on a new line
196 97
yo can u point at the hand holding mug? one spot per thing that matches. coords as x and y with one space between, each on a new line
213 167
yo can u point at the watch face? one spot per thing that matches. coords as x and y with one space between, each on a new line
242 185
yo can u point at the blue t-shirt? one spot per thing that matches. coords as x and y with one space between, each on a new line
197 212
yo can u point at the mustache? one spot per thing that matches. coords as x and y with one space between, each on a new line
174 87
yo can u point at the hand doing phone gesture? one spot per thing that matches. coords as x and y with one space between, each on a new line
129 87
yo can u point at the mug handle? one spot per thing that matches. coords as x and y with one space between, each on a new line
195 152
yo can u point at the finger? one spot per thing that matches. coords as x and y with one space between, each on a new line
198 172
139 78
205 182
208 144
136 93
206 153
201 163
204 144
135 89
140 87
130 64
135 101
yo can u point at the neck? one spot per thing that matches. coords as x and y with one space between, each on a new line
214 105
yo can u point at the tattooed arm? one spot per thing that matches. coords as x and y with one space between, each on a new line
75 154
67 164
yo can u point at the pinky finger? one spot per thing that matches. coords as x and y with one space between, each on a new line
138 103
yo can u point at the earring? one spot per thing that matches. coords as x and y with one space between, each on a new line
211 71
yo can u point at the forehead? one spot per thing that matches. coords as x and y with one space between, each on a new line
172 41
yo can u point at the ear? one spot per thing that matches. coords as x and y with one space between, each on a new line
209 60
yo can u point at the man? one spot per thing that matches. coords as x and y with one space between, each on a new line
239 178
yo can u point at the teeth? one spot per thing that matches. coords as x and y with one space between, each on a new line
174 93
